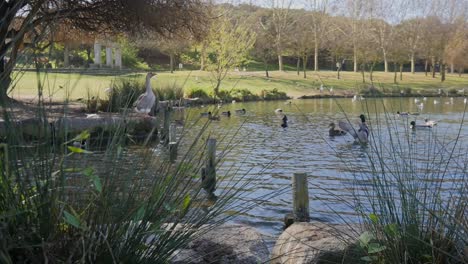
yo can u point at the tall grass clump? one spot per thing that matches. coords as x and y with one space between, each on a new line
64 202
411 195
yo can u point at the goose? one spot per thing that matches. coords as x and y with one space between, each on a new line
285 122
240 111
361 135
414 126
279 110
227 113
146 101
464 101
402 113
335 132
430 122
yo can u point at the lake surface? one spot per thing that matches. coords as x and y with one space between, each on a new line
267 155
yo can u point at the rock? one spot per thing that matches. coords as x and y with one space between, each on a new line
312 243
225 244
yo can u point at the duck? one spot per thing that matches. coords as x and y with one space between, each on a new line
361 135
413 126
335 132
430 122
205 114
241 111
227 113
402 113
146 101
214 118
279 110
285 122
464 101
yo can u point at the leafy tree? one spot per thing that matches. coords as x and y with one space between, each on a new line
229 44
29 21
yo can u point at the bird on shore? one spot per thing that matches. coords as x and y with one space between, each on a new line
416 100
146 101
241 111
413 126
464 101
285 122
430 123
279 110
335 132
361 135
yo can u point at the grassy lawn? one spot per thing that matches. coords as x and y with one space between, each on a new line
59 86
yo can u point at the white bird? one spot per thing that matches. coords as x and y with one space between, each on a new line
430 123
414 126
321 88
416 100
361 135
279 110
354 98
425 98
146 101
464 101
451 100
109 90
436 101
421 106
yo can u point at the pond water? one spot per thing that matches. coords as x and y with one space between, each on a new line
268 155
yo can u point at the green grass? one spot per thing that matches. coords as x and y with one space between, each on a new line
76 86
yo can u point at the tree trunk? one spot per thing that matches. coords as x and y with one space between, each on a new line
371 71
394 73
452 68
316 66
266 68
66 56
362 72
216 89
304 66
298 65
280 62
426 67
5 79
401 71
460 71
412 63
433 67
171 62
385 62
355 60
202 58
442 71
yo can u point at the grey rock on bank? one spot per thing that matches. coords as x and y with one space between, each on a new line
225 244
312 243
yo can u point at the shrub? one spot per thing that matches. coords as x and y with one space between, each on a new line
370 91
225 95
198 93
274 95
124 93
169 92
243 95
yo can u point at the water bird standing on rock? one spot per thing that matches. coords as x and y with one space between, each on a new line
335 132
285 122
146 101
361 135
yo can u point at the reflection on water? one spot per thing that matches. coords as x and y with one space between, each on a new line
270 155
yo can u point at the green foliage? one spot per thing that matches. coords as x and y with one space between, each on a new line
370 90
172 91
130 55
198 93
274 95
243 95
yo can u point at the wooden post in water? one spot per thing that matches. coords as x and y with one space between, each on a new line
172 143
300 198
209 171
167 123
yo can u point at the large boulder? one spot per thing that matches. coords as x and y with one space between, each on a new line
314 243
225 244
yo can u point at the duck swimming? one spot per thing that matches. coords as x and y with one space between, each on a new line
430 123
414 126
228 113
205 114
362 134
241 111
285 122
402 113
335 132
